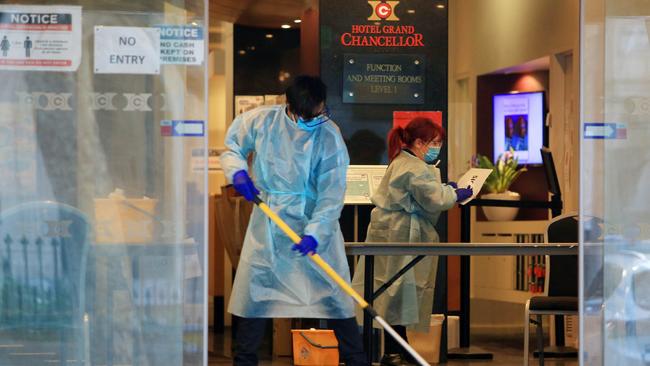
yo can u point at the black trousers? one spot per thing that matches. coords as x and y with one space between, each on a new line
390 345
250 332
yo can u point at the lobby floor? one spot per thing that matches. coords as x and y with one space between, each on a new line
507 351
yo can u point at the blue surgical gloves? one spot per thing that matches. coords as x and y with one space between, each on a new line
454 185
244 185
307 245
464 193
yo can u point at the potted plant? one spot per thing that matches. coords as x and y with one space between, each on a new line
504 172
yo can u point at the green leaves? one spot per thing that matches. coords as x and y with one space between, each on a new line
503 174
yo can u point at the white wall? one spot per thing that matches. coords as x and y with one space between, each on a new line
220 88
490 35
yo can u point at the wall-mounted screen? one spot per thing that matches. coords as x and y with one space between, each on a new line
519 124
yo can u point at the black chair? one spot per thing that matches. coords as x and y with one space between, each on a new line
561 287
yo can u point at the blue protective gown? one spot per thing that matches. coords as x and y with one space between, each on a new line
408 202
301 176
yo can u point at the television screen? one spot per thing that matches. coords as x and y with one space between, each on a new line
519 124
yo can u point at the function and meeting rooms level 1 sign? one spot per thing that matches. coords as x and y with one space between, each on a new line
384 78
127 50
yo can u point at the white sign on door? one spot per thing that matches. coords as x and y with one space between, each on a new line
40 38
127 50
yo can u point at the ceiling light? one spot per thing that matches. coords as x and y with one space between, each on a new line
269 36
411 11
440 6
297 21
242 52
286 26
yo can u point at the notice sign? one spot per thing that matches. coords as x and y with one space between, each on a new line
127 50
383 78
40 38
362 181
181 45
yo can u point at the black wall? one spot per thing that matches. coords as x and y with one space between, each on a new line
257 70
365 126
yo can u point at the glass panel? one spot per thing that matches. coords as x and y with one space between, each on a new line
615 167
103 198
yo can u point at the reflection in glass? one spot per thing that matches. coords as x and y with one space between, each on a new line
102 243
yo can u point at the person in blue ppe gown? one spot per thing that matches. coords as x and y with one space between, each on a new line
299 168
409 200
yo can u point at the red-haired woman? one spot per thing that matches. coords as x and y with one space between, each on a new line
408 202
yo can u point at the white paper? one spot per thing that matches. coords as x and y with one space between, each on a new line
127 50
275 99
245 103
192 266
474 178
43 38
362 181
357 188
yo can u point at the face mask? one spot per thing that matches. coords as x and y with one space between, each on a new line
431 155
312 123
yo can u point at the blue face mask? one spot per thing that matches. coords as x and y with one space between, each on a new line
312 123
431 155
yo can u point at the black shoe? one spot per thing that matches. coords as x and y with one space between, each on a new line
394 359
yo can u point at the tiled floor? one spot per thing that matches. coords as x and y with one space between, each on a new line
507 352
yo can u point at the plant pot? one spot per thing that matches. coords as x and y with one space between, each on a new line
501 213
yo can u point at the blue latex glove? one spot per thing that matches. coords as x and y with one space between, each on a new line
307 245
244 185
464 193
453 185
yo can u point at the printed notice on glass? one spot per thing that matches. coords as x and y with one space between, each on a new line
40 38
474 178
127 50
362 182
181 44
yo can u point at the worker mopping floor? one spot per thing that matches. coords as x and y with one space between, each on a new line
340 281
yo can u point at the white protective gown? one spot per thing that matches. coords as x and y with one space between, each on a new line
408 203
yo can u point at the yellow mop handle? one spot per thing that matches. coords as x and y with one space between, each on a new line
314 257
344 285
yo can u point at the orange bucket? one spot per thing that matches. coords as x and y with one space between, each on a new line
315 347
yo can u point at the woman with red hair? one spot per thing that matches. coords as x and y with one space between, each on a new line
408 202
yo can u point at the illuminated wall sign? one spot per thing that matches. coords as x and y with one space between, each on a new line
382 36
384 78
383 10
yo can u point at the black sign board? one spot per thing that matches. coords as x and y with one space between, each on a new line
383 78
